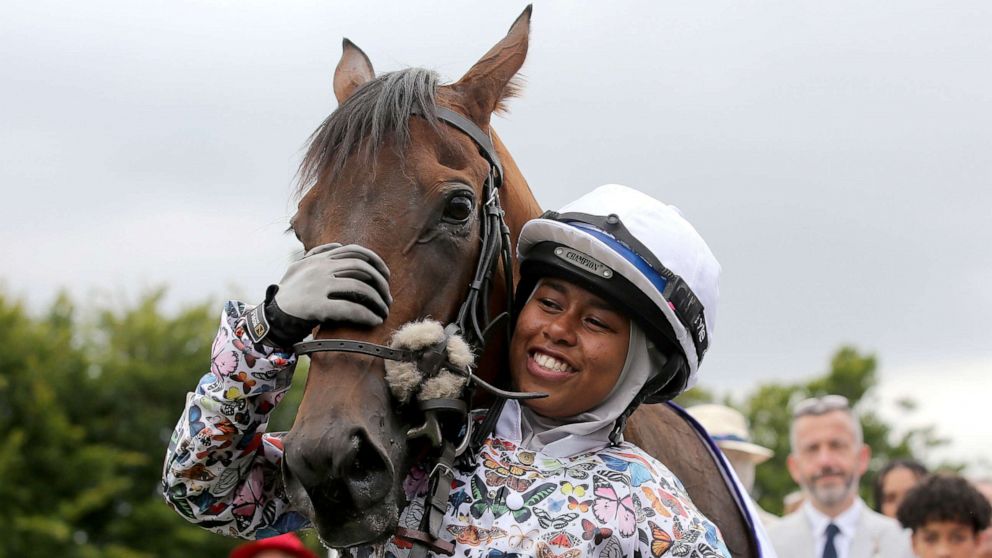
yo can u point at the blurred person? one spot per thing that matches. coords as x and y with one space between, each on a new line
893 481
827 459
985 538
792 501
946 514
283 546
729 429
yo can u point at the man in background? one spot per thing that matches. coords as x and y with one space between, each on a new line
827 459
729 429
792 501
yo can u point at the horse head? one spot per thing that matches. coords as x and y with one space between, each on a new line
383 171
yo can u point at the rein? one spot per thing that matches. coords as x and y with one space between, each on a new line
473 323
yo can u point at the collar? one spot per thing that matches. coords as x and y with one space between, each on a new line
846 521
508 428
508 425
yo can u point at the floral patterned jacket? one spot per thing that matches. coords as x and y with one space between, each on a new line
222 472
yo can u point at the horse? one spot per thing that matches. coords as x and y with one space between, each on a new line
385 171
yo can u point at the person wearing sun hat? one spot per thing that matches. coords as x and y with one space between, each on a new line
729 429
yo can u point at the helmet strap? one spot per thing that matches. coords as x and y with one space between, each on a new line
659 389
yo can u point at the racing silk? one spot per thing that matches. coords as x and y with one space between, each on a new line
222 472
614 502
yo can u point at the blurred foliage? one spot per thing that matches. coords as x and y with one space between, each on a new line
695 396
851 374
87 406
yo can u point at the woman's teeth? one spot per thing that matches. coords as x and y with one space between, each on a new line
551 363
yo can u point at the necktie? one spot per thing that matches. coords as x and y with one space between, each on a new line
829 550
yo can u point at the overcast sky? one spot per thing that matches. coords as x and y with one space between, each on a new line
835 155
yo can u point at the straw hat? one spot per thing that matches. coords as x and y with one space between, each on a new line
729 430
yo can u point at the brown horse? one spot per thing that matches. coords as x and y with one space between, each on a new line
382 171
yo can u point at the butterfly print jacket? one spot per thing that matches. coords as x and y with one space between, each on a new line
222 472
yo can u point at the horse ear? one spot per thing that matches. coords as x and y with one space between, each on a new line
490 82
353 71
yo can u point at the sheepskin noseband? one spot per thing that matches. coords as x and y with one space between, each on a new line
406 378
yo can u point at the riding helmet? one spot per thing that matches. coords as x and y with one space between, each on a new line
642 256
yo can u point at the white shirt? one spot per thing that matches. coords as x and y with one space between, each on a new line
846 522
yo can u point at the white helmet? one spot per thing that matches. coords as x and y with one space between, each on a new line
642 255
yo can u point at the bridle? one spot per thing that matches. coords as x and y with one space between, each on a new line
473 323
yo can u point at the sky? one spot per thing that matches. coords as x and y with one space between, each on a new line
835 155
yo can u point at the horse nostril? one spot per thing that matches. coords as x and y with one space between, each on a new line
368 462
345 472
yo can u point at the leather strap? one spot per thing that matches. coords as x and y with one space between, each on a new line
488 422
435 505
349 346
472 130
424 542
382 351
507 394
456 405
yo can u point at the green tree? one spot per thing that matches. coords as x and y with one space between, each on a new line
695 396
40 443
87 407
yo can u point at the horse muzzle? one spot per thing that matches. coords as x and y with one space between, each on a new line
345 485
343 459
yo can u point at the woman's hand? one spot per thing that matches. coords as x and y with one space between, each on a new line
330 284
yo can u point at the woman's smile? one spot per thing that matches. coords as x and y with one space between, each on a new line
548 366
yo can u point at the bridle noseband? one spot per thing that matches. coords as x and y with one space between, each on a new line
473 323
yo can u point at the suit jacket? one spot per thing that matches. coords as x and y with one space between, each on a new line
876 536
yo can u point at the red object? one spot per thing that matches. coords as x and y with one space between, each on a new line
288 543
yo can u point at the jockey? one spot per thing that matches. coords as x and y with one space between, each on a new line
616 306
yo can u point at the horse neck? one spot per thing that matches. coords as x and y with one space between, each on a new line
520 206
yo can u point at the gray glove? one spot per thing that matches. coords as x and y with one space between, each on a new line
330 284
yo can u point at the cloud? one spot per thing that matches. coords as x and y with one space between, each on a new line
215 250
833 154
953 395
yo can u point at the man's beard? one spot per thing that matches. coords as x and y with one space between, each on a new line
832 495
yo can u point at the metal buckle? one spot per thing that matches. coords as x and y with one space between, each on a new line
438 466
431 429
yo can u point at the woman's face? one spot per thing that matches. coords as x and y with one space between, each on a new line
570 344
895 485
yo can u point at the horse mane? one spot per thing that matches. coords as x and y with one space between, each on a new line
378 109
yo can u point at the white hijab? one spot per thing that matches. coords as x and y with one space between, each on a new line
588 431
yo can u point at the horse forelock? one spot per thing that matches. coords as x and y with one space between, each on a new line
378 110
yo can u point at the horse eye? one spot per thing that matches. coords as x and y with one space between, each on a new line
458 208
